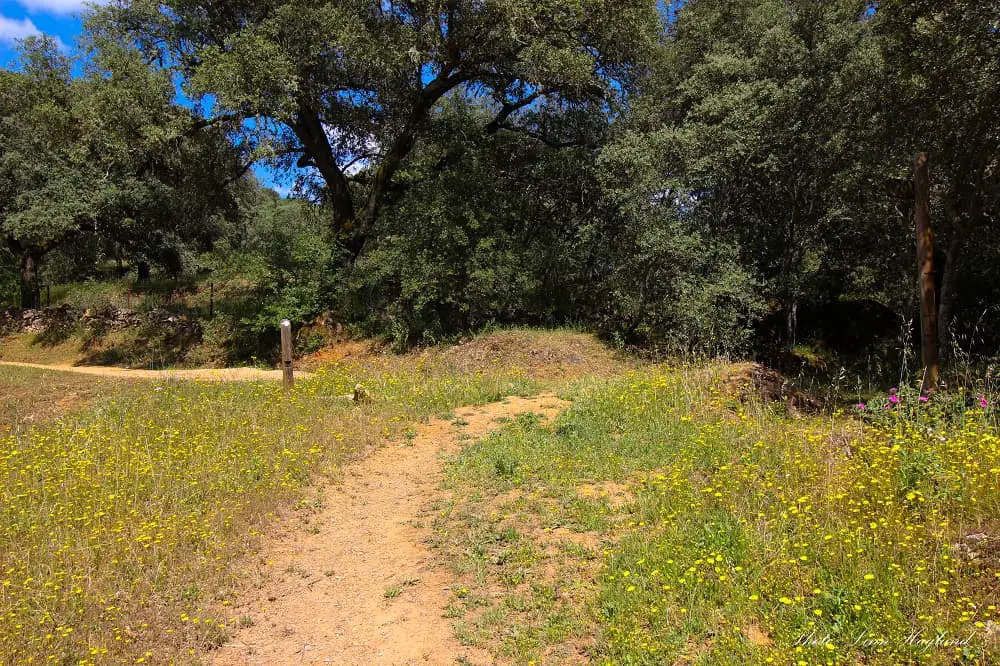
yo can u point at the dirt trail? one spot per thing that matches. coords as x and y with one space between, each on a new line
325 593
207 374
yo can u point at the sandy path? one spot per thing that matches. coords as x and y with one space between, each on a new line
325 592
207 374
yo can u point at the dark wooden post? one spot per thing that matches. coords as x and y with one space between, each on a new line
31 297
286 354
925 271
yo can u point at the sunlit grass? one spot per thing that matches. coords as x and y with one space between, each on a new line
658 520
29 397
120 525
730 533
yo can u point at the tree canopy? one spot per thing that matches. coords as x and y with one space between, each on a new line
347 88
704 175
109 155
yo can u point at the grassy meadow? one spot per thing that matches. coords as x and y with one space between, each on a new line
661 519
120 520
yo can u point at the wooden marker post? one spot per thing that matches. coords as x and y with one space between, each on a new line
286 354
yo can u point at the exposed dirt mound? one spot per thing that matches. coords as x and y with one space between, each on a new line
751 381
353 351
617 495
542 354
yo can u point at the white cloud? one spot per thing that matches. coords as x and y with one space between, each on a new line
14 29
61 7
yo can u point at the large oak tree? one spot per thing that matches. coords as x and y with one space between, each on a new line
348 87
107 154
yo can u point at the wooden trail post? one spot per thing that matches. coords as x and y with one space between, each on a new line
286 354
925 271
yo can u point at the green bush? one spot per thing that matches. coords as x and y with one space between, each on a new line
489 238
512 231
284 267
9 282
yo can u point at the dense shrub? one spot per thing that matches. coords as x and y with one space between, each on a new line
515 231
283 266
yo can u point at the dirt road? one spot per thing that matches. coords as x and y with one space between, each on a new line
207 374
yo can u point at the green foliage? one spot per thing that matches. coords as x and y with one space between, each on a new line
106 164
515 230
282 266
487 239
931 413
46 178
762 97
342 83
943 98
9 279
723 179
668 281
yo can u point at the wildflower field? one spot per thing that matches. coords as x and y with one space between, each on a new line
121 524
661 520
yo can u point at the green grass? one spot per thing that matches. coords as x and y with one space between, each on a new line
120 523
129 293
30 398
660 521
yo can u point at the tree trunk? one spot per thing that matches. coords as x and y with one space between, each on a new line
30 289
394 156
357 219
791 323
925 271
310 131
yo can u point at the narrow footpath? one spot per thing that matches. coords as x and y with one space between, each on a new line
361 585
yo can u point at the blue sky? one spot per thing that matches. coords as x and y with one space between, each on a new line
61 19
23 18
